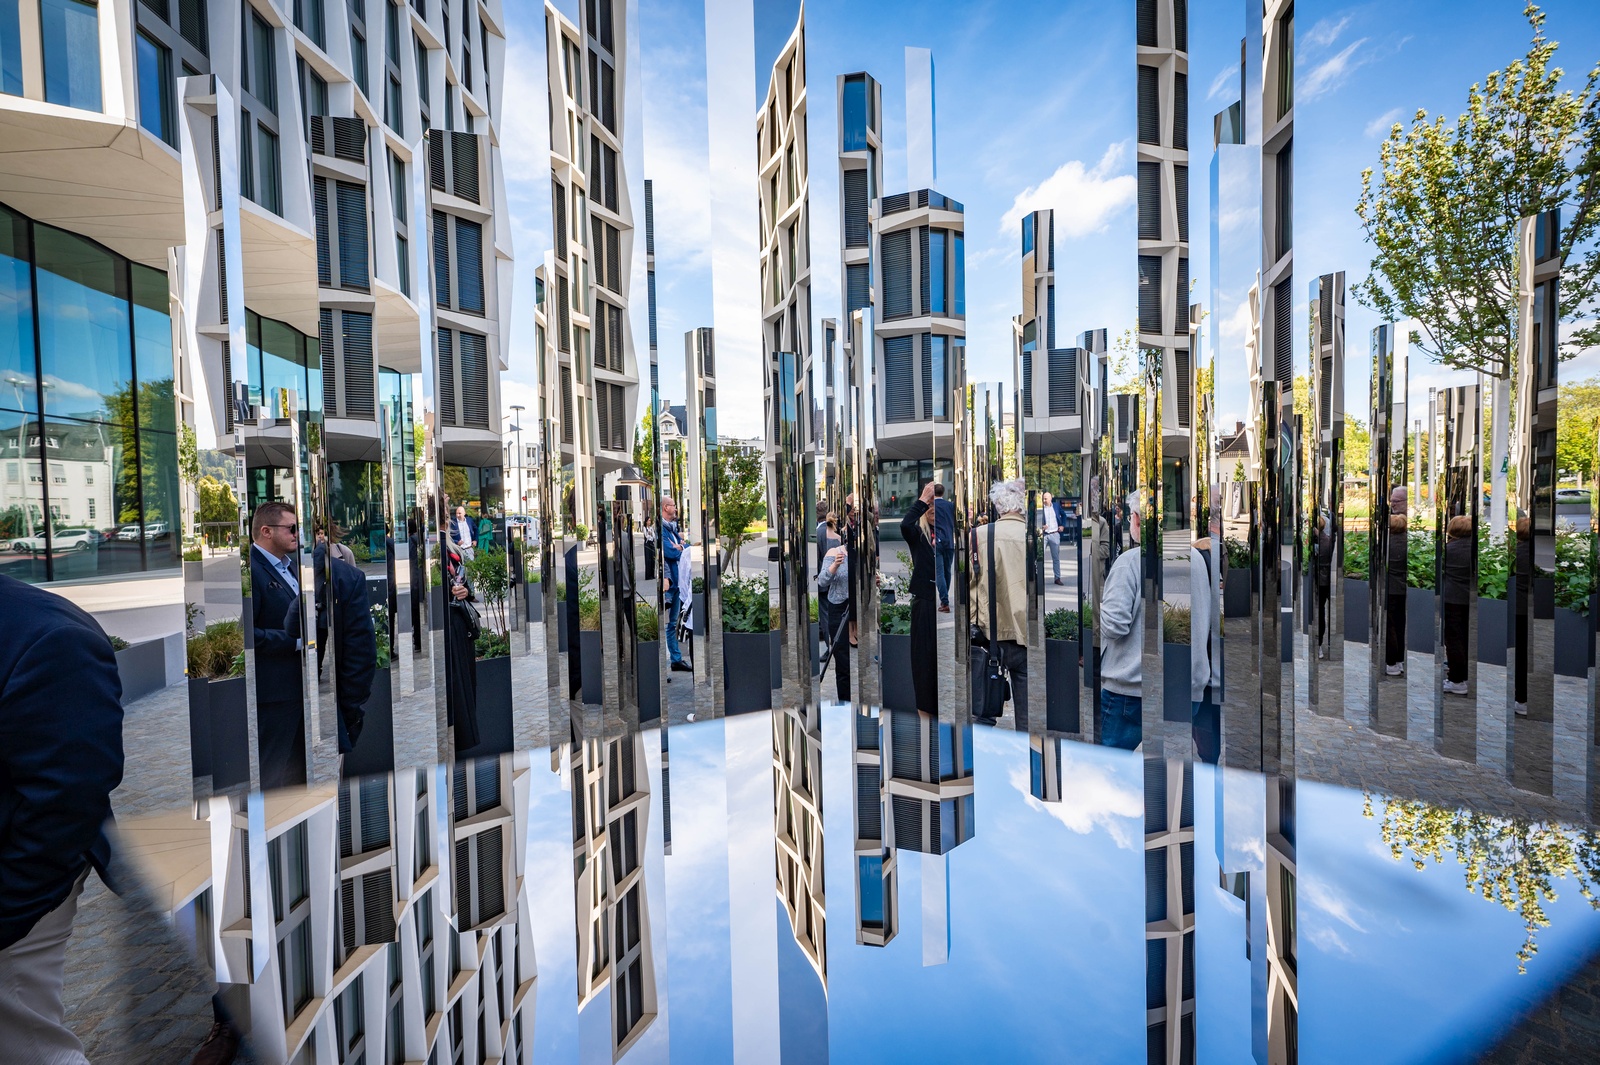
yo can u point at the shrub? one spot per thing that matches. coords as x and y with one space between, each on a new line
647 621
191 554
697 586
746 605
491 644
1357 556
1174 623
1061 624
895 620
218 652
1238 553
118 643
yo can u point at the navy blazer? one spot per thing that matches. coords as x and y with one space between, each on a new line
273 610
355 643
60 751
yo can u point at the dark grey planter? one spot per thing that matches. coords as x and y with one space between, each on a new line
374 751
747 685
142 667
699 613
894 657
589 650
1421 607
1357 611
1236 593
816 651
1492 631
495 734
1573 643
1061 686
194 571
230 733
775 658
200 726
1175 681
649 679
535 602
561 626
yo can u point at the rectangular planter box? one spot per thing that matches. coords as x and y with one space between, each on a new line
1236 594
230 732
1422 607
142 668
1061 686
699 613
535 602
374 751
649 680
495 734
816 651
200 726
1175 705
1357 611
1492 634
590 650
747 685
561 626
1574 643
894 656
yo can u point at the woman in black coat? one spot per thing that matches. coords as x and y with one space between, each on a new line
461 653
918 535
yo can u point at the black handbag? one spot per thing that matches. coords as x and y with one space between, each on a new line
996 683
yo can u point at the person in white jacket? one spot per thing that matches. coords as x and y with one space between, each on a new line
1121 619
1205 658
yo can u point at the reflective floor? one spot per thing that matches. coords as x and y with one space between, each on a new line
839 885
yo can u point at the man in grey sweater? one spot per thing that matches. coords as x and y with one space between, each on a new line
1121 618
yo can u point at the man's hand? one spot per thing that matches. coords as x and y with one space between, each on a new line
927 493
459 591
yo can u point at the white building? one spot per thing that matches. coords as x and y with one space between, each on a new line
797 829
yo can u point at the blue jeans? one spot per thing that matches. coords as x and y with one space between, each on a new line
670 623
941 572
1207 728
1053 542
1121 720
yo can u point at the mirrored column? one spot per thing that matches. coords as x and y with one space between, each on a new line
1458 511
1387 537
1323 449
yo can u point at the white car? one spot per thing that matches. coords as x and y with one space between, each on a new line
63 540
128 532
1572 495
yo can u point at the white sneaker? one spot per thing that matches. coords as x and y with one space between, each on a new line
1395 670
1455 689
1521 709
1322 652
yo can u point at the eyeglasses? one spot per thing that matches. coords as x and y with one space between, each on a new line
292 528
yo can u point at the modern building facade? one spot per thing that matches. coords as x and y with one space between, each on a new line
592 213
1163 175
797 830
356 137
1169 911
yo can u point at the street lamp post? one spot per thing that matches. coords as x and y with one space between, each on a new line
522 497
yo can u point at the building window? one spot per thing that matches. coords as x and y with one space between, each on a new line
358 60
391 105
71 37
1286 63
310 18
938 301
11 48
156 89
1027 234
270 184
261 70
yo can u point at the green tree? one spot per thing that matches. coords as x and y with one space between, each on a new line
1442 216
643 453
1357 446
219 510
742 502
1577 427
188 455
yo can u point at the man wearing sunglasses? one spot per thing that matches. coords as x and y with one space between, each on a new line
275 613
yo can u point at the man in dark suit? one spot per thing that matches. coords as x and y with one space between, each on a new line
60 759
944 526
354 640
275 617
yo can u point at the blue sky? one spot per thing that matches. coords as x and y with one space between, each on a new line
1035 104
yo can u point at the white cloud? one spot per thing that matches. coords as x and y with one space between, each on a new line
1328 940
1317 894
1380 126
524 131
1332 72
1085 199
1237 326
1092 798
1324 33
1225 77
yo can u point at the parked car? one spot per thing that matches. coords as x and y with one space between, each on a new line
63 540
128 532
1572 495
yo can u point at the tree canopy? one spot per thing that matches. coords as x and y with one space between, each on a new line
742 501
1442 210
1578 426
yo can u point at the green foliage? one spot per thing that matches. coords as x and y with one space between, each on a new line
1174 623
582 532
1064 623
648 622
1574 575
811 608
1442 218
746 604
895 620
380 631
589 611
1357 556
742 501
1579 406
491 583
491 644
188 455
219 510
118 643
697 586
218 652
1357 445
1420 548
191 554
1495 562
1238 552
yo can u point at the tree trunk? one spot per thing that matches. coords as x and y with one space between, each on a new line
1499 433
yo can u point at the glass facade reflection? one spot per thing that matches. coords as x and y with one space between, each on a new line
93 488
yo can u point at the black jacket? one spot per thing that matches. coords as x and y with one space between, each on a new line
275 624
355 642
60 751
1458 571
922 560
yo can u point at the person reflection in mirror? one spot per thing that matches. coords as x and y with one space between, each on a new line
461 653
61 758
851 534
944 527
461 534
1524 597
1324 578
1394 658
354 638
334 543
1457 595
917 528
1121 620
675 597
822 532
414 561
1007 584
1205 666
649 545
833 588
275 619
1051 524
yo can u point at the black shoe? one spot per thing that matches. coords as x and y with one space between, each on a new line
681 666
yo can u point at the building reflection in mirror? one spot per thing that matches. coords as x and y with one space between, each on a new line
797 830
1280 1025
1169 902
876 859
1457 505
699 522
355 887
1388 537
610 826
1323 451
